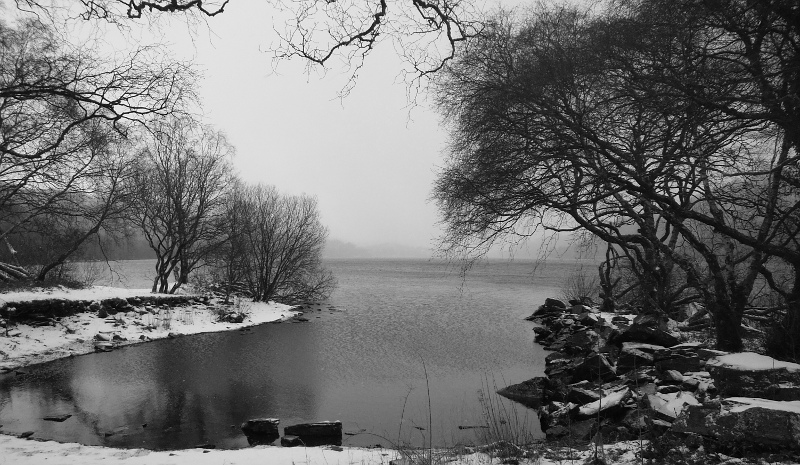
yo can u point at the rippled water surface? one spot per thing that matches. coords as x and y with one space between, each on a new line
363 364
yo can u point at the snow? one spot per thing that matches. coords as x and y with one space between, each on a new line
606 402
671 404
74 335
91 293
743 403
750 361
18 451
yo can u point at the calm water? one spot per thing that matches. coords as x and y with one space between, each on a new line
363 364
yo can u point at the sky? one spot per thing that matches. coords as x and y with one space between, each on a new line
370 158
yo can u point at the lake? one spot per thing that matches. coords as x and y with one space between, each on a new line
404 334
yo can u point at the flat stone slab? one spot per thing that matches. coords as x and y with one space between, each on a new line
748 420
748 374
324 429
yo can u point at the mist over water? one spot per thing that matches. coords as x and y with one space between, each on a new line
364 363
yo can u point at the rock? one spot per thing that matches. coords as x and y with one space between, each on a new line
583 430
620 320
554 303
267 426
541 333
583 340
669 406
321 429
528 393
261 431
26 434
671 377
647 334
634 355
58 418
102 337
607 406
746 420
681 358
581 396
668 389
593 368
749 374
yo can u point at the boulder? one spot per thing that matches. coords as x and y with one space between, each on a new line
738 420
554 303
749 374
593 368
261 430
647 334
320 429
529 393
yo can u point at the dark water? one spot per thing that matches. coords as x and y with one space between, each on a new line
363 364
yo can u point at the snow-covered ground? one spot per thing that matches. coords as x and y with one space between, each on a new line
76 334
16 451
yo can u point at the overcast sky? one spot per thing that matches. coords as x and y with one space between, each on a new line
368 158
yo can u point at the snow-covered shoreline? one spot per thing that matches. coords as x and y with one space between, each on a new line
74 335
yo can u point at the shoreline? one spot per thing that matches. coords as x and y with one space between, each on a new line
77 335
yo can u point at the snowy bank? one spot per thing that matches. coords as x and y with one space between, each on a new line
18 451
76 334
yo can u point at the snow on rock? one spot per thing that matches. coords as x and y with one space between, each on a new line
742 420
669 406
612 401
749 374
740 404
749 361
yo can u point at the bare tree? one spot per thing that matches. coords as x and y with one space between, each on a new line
181 179
553 127
281 244
64 114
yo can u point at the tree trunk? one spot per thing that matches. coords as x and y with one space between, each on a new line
783 341
728 326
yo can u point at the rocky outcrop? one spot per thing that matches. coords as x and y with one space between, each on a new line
626 375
